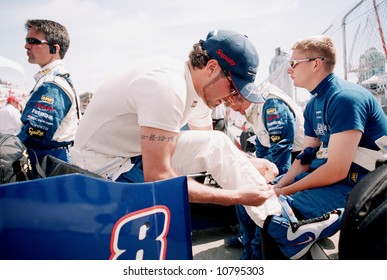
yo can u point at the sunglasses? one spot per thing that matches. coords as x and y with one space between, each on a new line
294 62
34 41
234 92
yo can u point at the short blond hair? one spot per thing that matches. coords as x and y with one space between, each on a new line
318 46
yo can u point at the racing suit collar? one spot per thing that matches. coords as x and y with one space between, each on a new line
48 68
250 110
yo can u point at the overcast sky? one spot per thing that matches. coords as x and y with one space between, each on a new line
106 35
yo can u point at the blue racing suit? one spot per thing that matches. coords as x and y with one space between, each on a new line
51 115
328 111
280 124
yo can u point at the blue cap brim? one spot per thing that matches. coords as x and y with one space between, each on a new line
248 91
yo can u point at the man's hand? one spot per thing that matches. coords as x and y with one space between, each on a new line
254 195
267 169
249 195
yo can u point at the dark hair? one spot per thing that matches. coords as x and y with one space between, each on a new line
54 33
199 57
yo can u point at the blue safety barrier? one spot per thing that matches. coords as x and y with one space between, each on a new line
76 217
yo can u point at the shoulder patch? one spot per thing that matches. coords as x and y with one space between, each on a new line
271 111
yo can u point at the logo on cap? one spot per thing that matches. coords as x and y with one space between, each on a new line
229 60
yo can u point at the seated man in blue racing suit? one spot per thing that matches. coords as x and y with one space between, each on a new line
341 119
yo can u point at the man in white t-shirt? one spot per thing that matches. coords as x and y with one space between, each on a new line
130 131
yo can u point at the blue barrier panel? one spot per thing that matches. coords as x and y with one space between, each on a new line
76 217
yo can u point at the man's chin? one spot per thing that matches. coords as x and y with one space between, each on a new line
31 60
211 105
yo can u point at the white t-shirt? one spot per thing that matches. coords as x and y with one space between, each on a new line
156 92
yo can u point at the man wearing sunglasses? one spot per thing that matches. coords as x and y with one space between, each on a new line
50 118
339 118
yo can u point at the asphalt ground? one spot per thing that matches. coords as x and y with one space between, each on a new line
211 245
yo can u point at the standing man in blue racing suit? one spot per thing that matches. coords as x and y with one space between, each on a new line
51 116
278 124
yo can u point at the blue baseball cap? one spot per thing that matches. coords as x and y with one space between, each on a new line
237 55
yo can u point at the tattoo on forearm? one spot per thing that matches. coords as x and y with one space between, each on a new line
158 138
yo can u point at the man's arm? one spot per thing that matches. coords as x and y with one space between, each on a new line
40 120
341 151
280 123
297 168
158 147
247 195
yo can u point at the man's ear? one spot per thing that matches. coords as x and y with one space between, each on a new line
318 64
212 66
54 49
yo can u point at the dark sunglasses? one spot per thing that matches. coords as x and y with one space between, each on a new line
294 62
234 92
34 41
